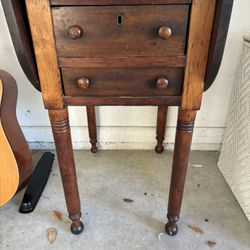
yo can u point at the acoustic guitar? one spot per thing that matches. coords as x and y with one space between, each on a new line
15 158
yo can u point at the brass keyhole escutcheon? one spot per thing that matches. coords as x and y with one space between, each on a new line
119 20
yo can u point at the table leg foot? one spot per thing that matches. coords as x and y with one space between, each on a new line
159 149
171 228
76 227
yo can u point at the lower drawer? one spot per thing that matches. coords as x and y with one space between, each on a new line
123 82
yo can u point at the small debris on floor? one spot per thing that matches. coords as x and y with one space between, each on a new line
58 215
211 243
196 165
196 229
51 234
145 194
160 235
128 200
198 185
207 220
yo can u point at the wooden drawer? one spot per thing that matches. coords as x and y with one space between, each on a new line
120 31
123 82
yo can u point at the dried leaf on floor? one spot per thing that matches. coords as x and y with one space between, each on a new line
51 234
58 215
196 229
211 243
128 200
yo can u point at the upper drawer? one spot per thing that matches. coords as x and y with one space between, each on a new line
120 31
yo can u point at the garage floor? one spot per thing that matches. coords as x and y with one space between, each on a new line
211 217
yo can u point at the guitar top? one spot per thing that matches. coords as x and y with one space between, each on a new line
9 174
15 157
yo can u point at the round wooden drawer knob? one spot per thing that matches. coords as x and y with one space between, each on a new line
83 83
162 83
75 32
165 32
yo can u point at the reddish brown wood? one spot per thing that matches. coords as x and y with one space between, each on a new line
138 36
123 82
116 2
61 132
92 128
12 129
124 62
183 141
161 128
40 20
200 29
121 53
128 101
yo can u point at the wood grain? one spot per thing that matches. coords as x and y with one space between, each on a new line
202 15
123 101
40 21
138 36
123 62
9 175
123 82
117 2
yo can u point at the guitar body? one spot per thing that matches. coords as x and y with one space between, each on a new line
15 157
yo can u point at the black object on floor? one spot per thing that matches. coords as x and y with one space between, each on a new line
37 183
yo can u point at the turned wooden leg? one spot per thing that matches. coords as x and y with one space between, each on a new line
61 132
161 128
92 128
183 140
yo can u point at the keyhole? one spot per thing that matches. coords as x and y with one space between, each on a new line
120 20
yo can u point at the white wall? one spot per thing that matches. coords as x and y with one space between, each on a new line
131 127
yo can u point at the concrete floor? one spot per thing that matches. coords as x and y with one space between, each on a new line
108 177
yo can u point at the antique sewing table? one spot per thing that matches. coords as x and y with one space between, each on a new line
120 52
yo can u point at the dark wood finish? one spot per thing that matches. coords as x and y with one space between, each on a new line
138 36
218 41
161 128
124 62
183 141
122 82
12 129
123 101
92 128
61 132
126 101
117 2
117 45
16 18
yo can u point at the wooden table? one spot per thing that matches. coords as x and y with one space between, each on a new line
124 52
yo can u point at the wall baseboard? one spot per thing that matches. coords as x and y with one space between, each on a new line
110 138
